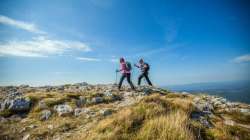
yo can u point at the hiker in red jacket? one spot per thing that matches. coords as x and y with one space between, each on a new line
125 70
144 71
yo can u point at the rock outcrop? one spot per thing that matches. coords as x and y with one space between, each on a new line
16 103
63 110
74 109
45 114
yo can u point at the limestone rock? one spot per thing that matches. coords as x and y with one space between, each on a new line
63 109
204 107
243 110
81 101
26 137
105 112
200 116
97 100
45 114
108 93
204 121
15 102
147 91
13 95
19 104
80 111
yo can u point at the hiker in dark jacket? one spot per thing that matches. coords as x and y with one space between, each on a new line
144 71
125 70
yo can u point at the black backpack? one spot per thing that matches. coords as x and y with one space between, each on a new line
148 67
128 66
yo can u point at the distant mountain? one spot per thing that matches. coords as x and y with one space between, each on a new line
233 90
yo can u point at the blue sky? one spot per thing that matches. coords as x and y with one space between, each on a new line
61 41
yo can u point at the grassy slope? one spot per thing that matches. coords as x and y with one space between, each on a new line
155 117
152 118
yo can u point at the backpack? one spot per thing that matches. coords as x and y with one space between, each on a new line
128 66
148 67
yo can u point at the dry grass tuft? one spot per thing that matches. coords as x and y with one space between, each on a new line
183 104
169 127
152 118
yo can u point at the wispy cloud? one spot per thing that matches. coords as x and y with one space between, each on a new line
88 59
164 49
20 24
40 47
242 59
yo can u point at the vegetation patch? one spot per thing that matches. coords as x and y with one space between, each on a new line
6 113
149 119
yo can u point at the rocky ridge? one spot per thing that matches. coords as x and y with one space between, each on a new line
77 107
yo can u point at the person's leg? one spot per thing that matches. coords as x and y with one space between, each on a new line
129 81
121 80
146 76
139 79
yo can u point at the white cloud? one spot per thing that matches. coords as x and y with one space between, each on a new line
20 24
241 59
40 47
88 59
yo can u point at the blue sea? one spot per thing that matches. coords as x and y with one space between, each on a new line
238 91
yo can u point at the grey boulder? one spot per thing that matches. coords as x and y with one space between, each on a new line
19 104
63 109
81 101
97 100
105 112
13 95
147 91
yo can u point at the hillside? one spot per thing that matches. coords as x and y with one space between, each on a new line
90 112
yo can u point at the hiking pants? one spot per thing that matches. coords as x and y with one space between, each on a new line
126 75
144 74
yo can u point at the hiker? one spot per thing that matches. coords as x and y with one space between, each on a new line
125 70
144 71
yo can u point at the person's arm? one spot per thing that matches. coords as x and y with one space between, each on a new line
122 67
136 66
